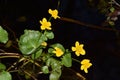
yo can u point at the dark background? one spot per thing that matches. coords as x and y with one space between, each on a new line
102 46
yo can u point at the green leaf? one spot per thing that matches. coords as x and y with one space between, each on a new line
45 57
112 9
48 62
55 64
2 67
45 69
50 50
4 75
30 41
67 60
43 37
49 34
55 67
3 35
37 54
55 75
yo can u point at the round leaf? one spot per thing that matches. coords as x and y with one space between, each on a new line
50 50
45 69
67 60
55 75
49 34
5 75
30 41
55 64
3 35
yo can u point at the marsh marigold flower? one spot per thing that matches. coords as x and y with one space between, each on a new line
85 64
45 24
53 13
44 44
58 52
78 49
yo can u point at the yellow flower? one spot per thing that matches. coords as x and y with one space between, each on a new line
78 49
58 52
45 24
44 44
54 13
85 65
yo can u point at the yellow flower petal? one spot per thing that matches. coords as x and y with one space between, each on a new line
44 20
82 67
83 52
85 61
53 13
58 52
77 44
85 64
86 71
45 24
73 49
78 49
77 53
44 44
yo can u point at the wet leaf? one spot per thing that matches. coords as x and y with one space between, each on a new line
49 34
67 60
30 41
4 75
55 75
3 35
45 69
37 54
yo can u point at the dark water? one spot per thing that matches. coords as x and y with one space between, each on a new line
101 46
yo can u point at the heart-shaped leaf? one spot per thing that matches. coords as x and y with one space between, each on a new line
30 41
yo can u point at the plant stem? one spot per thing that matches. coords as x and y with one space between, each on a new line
29 75
78 74
87 25
35 63
116 3
9 55
75 60
50 19
25 64
14 64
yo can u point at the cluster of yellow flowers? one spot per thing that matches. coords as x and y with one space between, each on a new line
85 63
78 48
47 24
